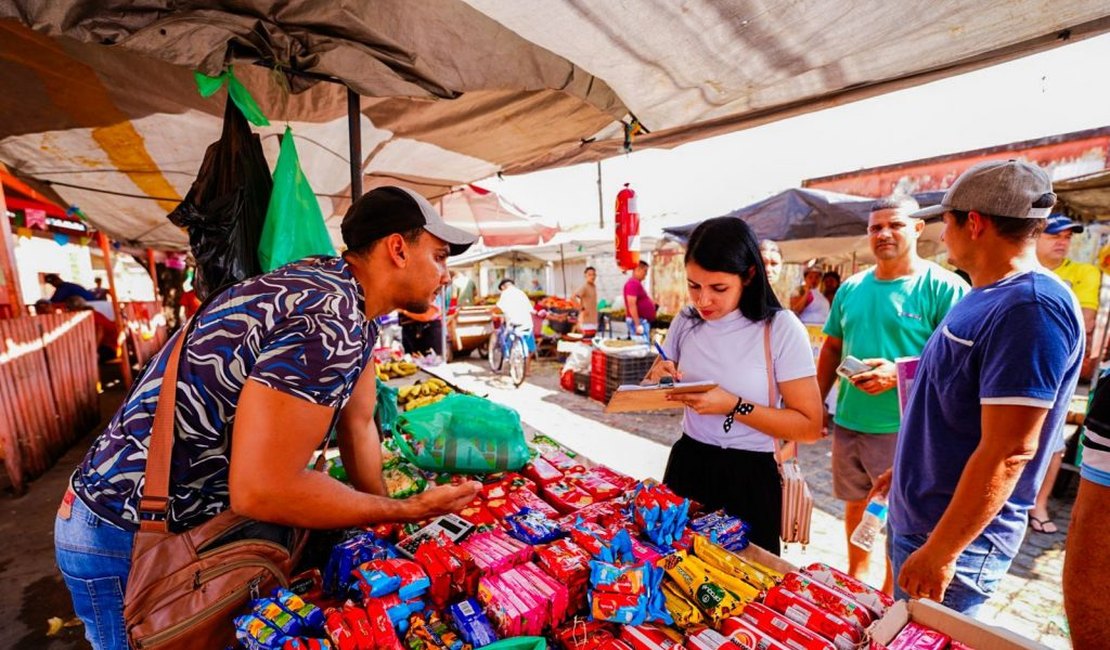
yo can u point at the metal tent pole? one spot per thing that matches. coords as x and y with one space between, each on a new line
354 136
125 363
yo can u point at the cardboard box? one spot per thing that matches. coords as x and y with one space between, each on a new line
961 628
767 559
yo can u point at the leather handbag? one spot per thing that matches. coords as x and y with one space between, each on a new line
797 500
184 589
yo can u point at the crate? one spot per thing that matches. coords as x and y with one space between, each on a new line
582 383
627 370
597 387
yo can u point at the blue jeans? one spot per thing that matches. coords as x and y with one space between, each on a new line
94 557
646 336
979 570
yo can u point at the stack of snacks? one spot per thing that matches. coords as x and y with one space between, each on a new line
527 499
471 622
494 551
704 586
532 527
569 564
755 576
583 634
348 555
659 513
843 634
593 484
871 598
722 529
403 480
273 622
623 591
451 570
542 472
650 637
769 622
427 631
351 627
919 637
566 497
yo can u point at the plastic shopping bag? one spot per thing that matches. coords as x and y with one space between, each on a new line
463 434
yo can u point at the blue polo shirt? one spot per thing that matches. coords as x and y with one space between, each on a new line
1018 341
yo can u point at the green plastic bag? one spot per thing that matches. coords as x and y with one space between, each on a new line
463 434
294 224
385 410
518 643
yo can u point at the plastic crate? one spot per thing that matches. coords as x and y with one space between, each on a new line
627 370
582 383
597 387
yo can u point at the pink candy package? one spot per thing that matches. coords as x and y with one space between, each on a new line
554 592
507 610
918 637
494 551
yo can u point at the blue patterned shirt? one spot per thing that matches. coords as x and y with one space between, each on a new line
300 329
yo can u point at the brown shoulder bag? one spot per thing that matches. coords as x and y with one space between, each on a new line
184 589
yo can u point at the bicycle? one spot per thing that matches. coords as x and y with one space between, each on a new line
517 344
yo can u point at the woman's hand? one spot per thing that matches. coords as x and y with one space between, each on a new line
717 401
662 369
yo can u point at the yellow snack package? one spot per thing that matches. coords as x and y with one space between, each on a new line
736 585
692 579
729 563
684 612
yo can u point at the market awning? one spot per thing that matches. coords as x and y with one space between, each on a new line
1087 197
101 101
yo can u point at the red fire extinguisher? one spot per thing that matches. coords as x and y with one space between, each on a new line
628 229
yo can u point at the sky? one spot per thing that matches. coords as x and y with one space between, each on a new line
1062 90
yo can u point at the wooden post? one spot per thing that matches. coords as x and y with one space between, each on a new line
121 323
152 268
11 297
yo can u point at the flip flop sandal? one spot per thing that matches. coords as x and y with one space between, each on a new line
1046 526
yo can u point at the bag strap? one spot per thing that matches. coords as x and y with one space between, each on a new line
154 505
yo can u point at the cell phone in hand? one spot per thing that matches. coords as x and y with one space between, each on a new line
851 366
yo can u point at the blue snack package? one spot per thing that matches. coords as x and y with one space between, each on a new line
374 583
348 555
311 616
471 622
271 611
257 633
533 527
618 550
614 579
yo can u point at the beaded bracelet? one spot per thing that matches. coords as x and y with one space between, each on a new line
742 407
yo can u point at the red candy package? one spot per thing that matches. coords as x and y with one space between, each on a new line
708 639
649 637
385 635
585 634
566 497
783 629
562 462
528 499
542 472
868 596
828 598
919 637
595 486
607 514
843 634
748 635
502 508
622 481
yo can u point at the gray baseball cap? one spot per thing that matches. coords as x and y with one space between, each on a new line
1001 188
391 209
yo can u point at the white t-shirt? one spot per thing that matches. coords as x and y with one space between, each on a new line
729 351
516 306
817 311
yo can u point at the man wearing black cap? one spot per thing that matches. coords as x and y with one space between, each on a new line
990 395
270 363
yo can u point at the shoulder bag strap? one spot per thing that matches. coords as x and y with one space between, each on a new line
154 505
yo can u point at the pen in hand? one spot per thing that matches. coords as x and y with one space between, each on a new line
676 375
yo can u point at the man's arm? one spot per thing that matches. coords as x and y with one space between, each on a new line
1087 567
359 442
274 436
831 354
800 300
1009 440
632 311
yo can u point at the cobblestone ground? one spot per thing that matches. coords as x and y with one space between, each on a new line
1029 601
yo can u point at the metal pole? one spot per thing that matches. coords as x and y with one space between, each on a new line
125 363
563 265
600 202
354 137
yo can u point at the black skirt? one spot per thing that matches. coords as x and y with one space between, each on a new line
745 483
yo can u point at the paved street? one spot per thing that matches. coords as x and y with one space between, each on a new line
1029 602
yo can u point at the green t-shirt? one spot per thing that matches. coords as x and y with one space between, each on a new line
887 319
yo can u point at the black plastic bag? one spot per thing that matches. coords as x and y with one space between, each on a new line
225 208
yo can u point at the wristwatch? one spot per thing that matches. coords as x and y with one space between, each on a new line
741 408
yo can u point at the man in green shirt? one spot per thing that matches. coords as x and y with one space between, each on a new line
878 315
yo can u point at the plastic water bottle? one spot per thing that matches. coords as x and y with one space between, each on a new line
874 519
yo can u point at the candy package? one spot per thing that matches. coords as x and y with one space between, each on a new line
592 537
724 530
873 599
563 462
685 613
919 637
693 580
650 637
377 578
659 513
565 497
732 564
583 634
542 472
471 622
619 579
427 631
305 643
748 635
382 627
512 613
532 527
783 629
502 508
348 555
607 514
595 486
844 635
310 616
708 639
828 598
256 633
494 551
570 565
527 499
554 593
506 484
623 481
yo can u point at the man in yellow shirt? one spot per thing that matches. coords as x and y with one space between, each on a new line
1085 281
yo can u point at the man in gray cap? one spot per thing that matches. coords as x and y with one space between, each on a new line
990 395
271 364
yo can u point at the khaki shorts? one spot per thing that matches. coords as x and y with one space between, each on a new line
858 459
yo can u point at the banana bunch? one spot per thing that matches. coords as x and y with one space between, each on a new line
391 369
422 394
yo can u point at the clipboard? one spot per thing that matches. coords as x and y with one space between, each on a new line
653 397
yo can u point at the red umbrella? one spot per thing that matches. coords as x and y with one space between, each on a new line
494 219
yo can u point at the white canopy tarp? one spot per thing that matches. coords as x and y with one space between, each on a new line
100 107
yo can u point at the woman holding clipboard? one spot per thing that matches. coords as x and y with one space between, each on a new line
725 458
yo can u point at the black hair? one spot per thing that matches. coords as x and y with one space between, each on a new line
643 265
411 236
831 274
728 245
588 269
907 203
1012 229
503 282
